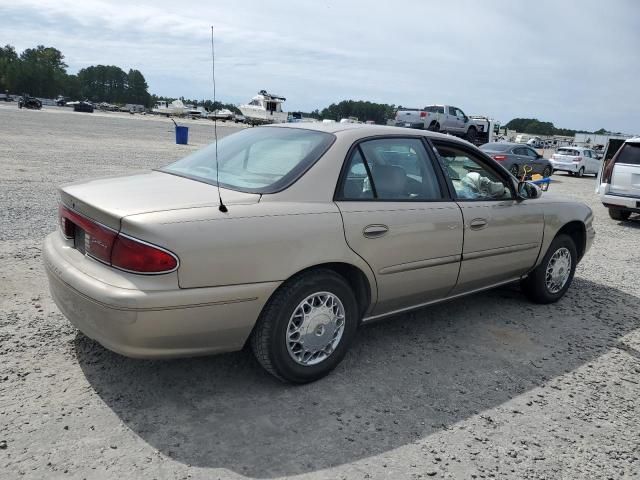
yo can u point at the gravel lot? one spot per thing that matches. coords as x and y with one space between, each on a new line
488 386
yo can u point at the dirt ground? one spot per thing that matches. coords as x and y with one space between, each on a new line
489 386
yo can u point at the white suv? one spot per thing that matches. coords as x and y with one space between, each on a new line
619 181
575 160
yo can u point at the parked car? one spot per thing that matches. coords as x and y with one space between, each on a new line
576 161
239 118
438 118
319 228
28 102
84 106
618 183
515 156
535 142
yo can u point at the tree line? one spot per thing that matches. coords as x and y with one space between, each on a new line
534 126
42 72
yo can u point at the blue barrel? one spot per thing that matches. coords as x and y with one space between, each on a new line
182 135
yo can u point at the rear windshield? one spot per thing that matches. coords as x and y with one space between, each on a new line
434 109
629 154
495 147
568 151
256 160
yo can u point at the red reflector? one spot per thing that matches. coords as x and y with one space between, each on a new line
423 114
134 256
499 157
577 159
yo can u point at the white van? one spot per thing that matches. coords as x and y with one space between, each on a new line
619 181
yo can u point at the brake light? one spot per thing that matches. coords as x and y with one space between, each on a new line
115 249
423 114
577 159
499 157
135 256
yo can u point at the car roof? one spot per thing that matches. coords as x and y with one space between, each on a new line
366 130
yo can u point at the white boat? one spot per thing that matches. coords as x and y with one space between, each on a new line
174 108
222 114
264 108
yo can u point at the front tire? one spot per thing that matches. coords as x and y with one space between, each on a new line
471 134
546 173
306 328
550 280
619 214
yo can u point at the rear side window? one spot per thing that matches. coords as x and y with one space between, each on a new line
390 169
434 109
629 154
568 151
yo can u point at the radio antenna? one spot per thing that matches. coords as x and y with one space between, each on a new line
222 207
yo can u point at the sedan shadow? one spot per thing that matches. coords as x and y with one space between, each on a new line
402 380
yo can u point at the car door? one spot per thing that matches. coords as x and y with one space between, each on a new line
452 120
537 161
502 234
399 217
523 158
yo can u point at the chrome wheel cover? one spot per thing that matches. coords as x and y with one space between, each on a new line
558 270
315 328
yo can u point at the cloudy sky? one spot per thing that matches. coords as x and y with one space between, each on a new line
572 62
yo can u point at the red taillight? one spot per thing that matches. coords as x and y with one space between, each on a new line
112 248
98 239
499 157
134 256
577 159
423 114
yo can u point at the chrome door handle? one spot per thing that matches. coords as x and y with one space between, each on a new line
374 231
478 223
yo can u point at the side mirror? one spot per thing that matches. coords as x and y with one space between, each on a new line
528 191
466 119
538 156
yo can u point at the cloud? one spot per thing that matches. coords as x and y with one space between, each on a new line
573 63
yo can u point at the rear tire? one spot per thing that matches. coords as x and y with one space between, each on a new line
550 280
547 172
514 170
619 214
288 317
580 172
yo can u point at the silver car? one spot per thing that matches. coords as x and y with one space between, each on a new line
314 230
515 157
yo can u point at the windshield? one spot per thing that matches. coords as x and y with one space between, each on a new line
256 160
495 147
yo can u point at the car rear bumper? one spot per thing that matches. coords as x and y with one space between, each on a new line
622 202
565 167
154 324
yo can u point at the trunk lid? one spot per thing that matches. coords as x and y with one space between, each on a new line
107 200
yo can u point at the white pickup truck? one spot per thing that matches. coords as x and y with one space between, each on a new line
439 118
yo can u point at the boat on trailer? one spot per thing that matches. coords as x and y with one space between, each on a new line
264 108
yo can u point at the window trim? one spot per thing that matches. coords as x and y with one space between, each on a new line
487 161
445 191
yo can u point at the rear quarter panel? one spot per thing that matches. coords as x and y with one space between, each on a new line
265 242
